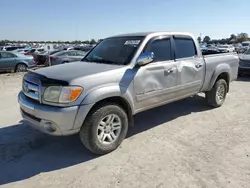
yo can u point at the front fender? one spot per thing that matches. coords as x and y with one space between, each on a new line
109 91
222 68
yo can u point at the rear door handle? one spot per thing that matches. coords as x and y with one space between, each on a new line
198 65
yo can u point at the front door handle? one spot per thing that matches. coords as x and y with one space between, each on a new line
198 65
168 71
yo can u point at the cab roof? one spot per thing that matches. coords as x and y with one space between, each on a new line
144 34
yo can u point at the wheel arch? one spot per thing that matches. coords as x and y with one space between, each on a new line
19 63
221 72
120 101
112 94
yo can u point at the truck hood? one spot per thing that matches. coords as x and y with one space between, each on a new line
70 71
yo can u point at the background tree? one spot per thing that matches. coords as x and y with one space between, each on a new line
232 36
199 39
2 43
206 39
86 42
92 41
241 37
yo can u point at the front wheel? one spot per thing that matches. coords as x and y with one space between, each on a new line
104 128
217 95
21 67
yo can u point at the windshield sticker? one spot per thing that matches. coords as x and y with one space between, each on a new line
132 42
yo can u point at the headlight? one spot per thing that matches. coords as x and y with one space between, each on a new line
59 94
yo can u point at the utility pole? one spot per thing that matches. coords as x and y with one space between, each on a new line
48 47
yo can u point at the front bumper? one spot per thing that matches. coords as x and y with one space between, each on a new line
244 69
51 120
31 65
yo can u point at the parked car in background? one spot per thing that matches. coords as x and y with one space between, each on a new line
226 48
237 47
122 76
65 57
15 62
211 50
40 58
9 48
33 51
203 47
245 45
83 48
244 65
20 51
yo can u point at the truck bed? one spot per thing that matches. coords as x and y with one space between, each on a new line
222 61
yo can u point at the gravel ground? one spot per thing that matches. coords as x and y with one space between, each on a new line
183 144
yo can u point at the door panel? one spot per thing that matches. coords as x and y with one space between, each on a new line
7 61
156 83
191 74
191 68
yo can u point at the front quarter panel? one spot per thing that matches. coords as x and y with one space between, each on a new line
109 91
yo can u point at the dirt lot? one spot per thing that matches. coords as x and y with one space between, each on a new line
184 144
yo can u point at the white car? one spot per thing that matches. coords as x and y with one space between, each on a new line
20 51
246 45
226 48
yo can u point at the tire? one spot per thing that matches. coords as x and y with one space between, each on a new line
21 67
216 97
65 62
240 74
92 127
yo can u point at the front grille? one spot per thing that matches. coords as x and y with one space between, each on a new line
31 90
245 63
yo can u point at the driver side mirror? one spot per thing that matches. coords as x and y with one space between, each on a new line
145 58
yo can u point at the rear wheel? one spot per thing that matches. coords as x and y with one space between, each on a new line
65 62
21 67
217 95
104 128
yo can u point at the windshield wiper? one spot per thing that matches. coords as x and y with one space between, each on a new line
105 61
85 59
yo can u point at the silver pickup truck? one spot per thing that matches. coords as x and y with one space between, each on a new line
122 76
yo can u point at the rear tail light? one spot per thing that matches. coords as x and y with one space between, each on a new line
52 58
26 53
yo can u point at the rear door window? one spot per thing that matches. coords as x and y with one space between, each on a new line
184 48
7 55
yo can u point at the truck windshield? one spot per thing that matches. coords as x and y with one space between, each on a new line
116 50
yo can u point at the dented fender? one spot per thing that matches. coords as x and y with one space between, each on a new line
105 92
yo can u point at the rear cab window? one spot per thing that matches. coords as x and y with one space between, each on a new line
184 47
